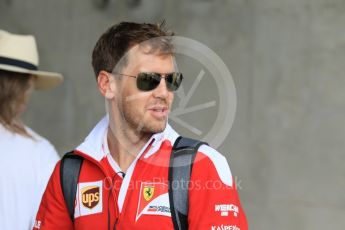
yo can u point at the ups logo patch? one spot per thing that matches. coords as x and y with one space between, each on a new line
90 196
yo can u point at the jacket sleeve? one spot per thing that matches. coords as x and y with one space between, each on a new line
213 200
52 213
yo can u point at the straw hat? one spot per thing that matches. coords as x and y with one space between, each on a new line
18 53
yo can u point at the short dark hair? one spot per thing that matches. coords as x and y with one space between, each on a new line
118 39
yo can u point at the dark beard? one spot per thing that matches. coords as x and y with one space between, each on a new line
141 126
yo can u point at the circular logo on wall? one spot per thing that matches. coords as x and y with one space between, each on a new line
216 113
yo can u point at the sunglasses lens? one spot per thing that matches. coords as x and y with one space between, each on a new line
174 81
147 81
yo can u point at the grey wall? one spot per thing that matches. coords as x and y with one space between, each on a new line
286 147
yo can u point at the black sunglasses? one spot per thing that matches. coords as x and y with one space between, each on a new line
150 81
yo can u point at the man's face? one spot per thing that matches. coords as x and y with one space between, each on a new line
144 111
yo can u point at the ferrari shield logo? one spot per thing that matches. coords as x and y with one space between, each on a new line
153 200
148 192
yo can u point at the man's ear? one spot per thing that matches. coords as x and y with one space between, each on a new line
106 84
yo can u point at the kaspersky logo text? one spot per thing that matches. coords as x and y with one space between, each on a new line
225 227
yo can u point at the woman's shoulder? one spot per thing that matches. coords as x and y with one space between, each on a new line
40 140
20 145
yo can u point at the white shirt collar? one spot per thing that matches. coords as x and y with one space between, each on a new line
155 139
96 144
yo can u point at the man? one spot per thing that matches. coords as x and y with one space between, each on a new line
27 159
123 178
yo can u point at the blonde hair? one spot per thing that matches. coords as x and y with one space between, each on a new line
13 88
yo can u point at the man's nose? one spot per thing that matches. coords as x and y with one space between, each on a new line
161 90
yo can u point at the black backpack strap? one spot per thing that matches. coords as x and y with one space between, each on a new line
180 169
69 175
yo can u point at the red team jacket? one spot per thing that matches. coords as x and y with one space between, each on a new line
139 200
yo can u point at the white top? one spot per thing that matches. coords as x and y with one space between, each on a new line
25 168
